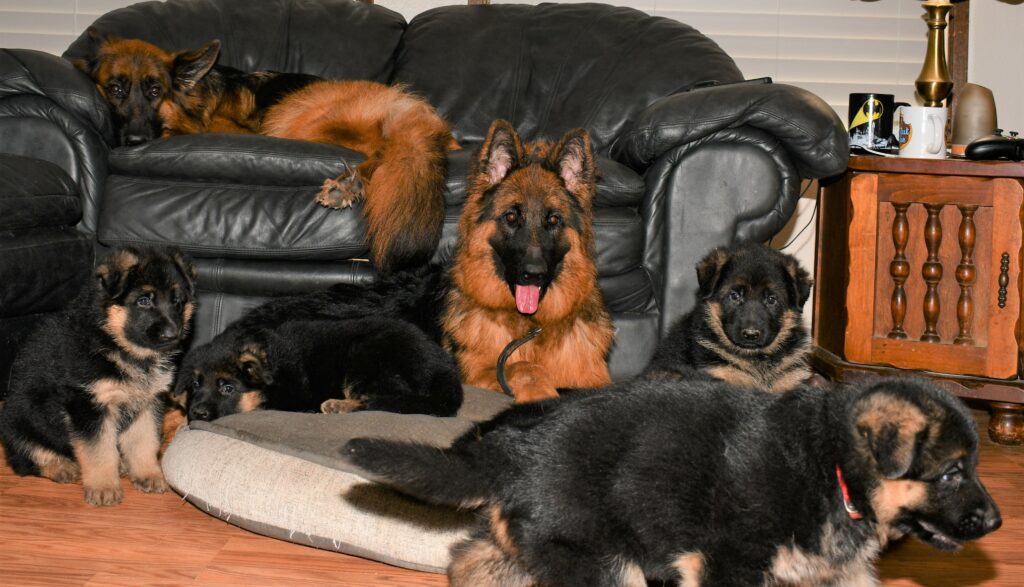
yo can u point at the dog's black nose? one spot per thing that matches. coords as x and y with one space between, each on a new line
533 273
751 334
199 413
167 334
992 520
132 140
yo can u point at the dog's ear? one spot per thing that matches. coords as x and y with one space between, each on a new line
709 271
889 428
799 282
114 271
252 364
94 39
187 269
501 152
573 159
192 66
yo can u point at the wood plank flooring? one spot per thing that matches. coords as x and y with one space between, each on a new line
50 537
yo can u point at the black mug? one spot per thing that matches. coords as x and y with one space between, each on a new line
870 121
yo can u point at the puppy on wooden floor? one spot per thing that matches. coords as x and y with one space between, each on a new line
746 328
83 402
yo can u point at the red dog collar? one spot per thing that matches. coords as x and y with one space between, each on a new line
847 503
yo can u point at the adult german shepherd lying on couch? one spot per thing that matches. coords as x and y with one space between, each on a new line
701 483
155 93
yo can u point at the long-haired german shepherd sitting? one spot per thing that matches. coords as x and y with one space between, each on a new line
746 327
83 400
524 260
701 483
156 93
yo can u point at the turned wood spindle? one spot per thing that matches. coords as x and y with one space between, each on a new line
931 271
966 275
899 269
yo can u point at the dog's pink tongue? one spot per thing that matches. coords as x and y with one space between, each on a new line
527 298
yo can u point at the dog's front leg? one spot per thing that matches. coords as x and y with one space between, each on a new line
140 444
98 459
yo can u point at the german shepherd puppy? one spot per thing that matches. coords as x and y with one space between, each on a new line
746 327
702 483
155 93
83 400
525 259
323 365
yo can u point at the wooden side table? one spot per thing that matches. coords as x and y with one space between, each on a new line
918 266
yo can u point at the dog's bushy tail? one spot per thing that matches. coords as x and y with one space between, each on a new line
435 475
404 204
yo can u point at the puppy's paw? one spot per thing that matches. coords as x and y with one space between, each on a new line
104 495
340 406
150 483
340 192
62 471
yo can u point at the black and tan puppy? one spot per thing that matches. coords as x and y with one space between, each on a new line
83 400
701 483
339 365
746 327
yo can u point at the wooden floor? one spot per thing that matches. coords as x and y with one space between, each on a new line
50 537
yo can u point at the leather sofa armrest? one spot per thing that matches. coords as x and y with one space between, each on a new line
806 127
734 184
24 71
51 111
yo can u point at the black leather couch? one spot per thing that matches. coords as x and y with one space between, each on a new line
691 157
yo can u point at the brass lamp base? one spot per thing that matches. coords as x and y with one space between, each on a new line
933 83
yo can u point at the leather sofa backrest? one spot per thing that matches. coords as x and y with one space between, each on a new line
339 39
552 67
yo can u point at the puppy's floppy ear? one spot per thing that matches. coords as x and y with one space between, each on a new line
114 271
890 428
187 269
192 66
709 271
252 364
573 159
501 152
799 283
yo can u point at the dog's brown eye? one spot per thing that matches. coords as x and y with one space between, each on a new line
227 388
511 217
153 92
735 296
770 300
554 220
144 302
116 90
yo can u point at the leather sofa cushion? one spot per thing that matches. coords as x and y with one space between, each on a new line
231 158
42 269
36 194
552 67
337 39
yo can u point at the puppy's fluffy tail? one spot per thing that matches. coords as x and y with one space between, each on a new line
432 474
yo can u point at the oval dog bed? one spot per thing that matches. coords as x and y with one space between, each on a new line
280 474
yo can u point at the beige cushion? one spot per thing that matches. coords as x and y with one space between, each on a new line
280 474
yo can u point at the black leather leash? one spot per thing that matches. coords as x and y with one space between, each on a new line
509 349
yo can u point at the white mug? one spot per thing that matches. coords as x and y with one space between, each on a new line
922 132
